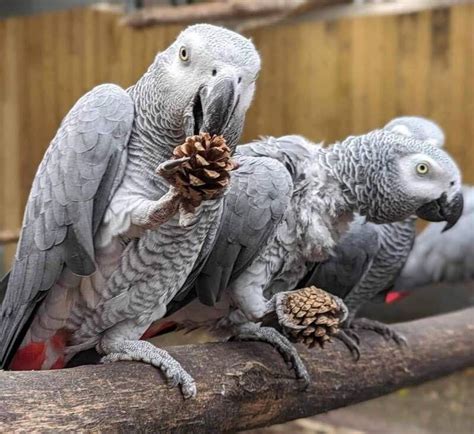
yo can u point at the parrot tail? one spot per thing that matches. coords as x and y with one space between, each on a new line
48 354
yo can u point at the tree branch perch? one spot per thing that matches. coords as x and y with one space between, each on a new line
222 11
240 385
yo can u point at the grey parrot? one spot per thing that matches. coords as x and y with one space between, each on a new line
439 256
281 220
101 252
369 257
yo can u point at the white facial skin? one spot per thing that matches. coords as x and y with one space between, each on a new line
216 64
426 178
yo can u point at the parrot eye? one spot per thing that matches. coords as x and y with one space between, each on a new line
183 54
422 168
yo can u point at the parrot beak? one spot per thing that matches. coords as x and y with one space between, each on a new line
219 106
443 210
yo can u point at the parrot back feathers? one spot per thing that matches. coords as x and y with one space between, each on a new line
67 201
258 196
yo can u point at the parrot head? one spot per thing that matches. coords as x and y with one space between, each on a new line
416 178
442 173
419 128
209 74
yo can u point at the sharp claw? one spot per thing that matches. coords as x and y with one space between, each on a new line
284 347
351 343
172 382
143 351
343 307
169 166
289 324
189 391
400 339
353 335
381 329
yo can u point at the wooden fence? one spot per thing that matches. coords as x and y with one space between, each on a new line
325 80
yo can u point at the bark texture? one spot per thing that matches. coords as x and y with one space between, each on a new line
222 11
240 385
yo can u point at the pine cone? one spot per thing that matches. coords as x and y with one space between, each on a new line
315 309
206 174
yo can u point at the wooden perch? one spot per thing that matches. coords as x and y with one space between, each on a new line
221 11
9 237
240 385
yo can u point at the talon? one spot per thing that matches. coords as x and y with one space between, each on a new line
144 351
189 390
351 343
353 335
380 328
170 166
279 342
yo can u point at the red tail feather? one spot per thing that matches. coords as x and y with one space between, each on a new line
41 355
30 357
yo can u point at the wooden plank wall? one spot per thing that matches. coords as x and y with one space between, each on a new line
325 80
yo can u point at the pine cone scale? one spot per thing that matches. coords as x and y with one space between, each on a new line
207 173
317 311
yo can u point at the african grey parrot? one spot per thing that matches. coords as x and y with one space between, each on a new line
369 257
439 256
290 213
98 261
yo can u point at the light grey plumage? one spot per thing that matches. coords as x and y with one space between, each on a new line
439 256
369 257
93 241
374 174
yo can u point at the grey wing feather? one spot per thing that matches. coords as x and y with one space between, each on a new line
187 293
442 256
293 151
351 259
259 194
68 198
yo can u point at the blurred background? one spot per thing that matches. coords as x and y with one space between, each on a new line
331 68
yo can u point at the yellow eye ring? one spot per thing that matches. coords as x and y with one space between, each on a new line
183 54
422 168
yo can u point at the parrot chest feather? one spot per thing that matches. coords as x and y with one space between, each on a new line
307 234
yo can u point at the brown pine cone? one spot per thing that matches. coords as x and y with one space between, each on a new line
207 173
315 309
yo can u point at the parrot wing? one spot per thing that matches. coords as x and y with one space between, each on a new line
259 194
75 181
352 258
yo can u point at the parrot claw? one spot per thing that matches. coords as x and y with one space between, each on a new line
142 351
382 329
342 307
351 340
170 167
254 332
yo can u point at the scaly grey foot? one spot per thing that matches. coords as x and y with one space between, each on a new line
378 327
254 332
142 351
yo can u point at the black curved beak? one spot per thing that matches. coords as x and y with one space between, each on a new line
219 106
441 209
